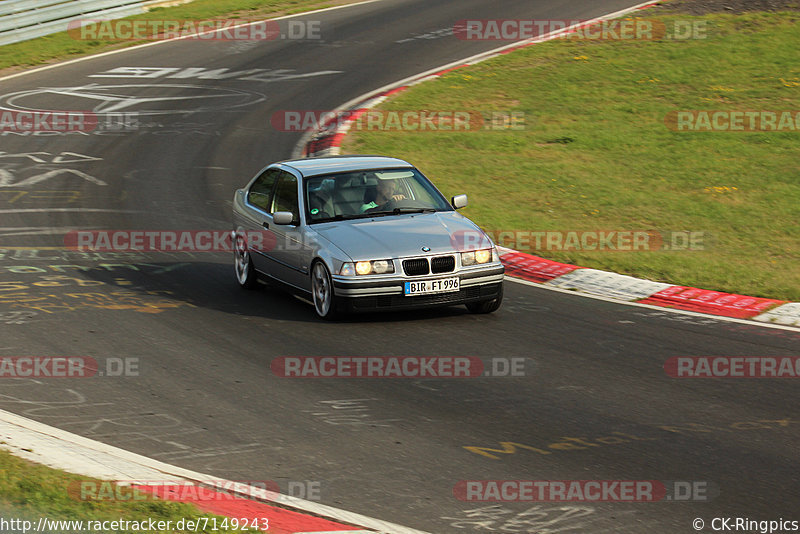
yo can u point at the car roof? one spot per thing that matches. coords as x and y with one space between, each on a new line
331 164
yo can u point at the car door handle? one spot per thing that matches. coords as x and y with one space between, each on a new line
265 224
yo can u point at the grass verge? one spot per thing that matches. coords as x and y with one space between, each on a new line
29 491
596 153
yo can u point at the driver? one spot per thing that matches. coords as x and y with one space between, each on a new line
384 193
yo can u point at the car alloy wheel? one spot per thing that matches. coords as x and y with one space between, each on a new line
322 288
245 274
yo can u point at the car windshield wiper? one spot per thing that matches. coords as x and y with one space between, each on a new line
395 211
398 211
340 217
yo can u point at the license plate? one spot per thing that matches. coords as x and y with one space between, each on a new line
428 287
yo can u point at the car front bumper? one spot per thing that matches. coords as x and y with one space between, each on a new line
364 295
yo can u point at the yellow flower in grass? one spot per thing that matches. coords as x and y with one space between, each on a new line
581 58
794 82
720 189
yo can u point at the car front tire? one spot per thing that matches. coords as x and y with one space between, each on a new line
243 263
487 306
322 289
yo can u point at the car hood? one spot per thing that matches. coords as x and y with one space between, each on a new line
404 235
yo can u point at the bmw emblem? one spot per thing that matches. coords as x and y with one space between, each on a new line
426 249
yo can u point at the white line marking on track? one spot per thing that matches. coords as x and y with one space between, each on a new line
154 43
68 210
41 230
5 179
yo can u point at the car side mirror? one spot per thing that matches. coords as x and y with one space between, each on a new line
283 217
459 201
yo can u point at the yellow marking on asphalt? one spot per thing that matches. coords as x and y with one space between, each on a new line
568 443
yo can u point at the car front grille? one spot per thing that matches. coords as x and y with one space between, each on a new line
420 266
416 267
443 264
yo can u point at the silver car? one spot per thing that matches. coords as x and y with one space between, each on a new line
360 234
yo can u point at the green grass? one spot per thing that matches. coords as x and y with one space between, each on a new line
596 153
61 46
29 491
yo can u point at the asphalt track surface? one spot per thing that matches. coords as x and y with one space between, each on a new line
205 397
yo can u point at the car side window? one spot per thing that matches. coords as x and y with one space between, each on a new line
285 198
260 192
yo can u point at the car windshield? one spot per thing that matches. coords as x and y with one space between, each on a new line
362 194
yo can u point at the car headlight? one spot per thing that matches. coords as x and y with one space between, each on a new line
382 266
367 267
477 257
363 267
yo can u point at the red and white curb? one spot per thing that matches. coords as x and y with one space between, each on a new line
76 454
552 274
786 314
620 287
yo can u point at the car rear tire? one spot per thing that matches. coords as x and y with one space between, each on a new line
322 290
487 306
243 263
